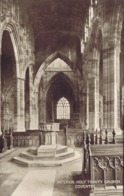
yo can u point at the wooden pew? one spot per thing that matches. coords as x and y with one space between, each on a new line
103 168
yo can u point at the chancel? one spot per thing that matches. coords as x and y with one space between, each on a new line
62 97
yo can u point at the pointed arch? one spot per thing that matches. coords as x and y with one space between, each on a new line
57 76
44 65
11 29
59 86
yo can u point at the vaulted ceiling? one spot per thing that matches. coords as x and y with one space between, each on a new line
57 17
56 23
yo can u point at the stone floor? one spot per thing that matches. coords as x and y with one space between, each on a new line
64 184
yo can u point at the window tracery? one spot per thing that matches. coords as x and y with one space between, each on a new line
63 109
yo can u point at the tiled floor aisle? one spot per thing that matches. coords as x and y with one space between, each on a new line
11 175
37 182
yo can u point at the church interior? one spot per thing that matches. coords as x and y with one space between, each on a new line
62 97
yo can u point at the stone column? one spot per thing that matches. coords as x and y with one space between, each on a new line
87 106
81 101
41 104
111 88
0 92
33 113
122 86
93 103
53 111
82 108
34 125
93 95
122 109
44 109
19 101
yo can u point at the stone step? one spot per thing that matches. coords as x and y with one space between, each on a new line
48 156
70 153
60 149
33 150
20 161
46 163
50 149
29 156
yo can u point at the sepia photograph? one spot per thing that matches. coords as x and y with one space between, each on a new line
61 97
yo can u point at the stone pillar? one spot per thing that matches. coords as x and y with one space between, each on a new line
82 108
111 88
19 101
122 86
122 109
93 95
87 106
53 111
44 109
81 101
93 103
33 113
34 125
41 108
0 92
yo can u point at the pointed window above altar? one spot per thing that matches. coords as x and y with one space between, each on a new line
63 109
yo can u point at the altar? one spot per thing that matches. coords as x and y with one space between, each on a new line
49 131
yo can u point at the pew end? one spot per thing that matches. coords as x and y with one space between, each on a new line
103 165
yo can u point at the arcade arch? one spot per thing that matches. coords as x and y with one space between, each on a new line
42 97
12 97
59 86
8 82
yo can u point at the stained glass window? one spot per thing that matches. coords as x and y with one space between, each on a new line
63 109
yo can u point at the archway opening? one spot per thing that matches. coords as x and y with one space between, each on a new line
58 89
8 83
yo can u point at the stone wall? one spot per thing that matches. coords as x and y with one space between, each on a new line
14 21
105 35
